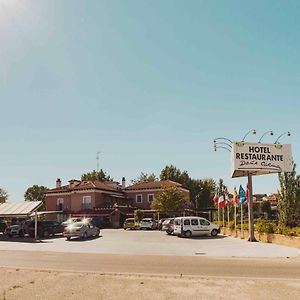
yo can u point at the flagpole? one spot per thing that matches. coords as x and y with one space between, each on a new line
235 219
223 213
228 215
218 213
242 229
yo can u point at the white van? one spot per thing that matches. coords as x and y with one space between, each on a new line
194 226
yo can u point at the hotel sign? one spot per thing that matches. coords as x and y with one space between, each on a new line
258 159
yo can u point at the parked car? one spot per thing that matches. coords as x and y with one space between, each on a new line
130 224
15 230
168 226
70 220
160 224
148 223
81 230
3 226
45 228
194 226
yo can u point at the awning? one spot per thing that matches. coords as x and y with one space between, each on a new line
22 209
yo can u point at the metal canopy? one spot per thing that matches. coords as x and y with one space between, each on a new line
22 209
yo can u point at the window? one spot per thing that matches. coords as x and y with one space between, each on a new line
204 222
194 222
138 198
177 222
186 222
60 204
150 198
87 202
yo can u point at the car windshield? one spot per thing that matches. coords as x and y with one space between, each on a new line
129 221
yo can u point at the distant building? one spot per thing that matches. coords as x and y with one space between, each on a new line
109 202
142 194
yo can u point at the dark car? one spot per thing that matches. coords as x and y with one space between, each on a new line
45 228
3 226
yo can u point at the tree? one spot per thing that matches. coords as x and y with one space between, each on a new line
96 176
36 193
170 173
289 195
144 177
169 200
3 194
138 215
265 209
202 192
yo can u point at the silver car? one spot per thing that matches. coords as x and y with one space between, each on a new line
81 230
148 223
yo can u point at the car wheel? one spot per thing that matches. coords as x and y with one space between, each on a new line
187 234
97 233
46 234
85 236
214 232
68 238
21 233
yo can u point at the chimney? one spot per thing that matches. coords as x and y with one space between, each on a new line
123 183
58 183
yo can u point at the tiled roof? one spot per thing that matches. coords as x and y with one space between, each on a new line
84 185
153 185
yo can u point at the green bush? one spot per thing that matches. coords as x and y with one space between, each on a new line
231 225
264 226
288 231
245 226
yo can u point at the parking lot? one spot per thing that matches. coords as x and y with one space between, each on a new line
118 241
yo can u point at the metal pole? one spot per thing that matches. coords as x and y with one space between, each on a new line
35 225
235 229
250 210
228 216
223 217
242 227
219 214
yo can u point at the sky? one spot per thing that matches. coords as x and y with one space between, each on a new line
145 83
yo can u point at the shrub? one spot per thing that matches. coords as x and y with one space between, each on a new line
231 225
264 226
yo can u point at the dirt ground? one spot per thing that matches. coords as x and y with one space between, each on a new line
31 284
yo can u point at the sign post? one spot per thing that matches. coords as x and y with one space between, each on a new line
250 159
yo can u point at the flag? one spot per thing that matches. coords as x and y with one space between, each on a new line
242 195
235 196
216 199
227 200
221 201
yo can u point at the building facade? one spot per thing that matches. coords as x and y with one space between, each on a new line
108 202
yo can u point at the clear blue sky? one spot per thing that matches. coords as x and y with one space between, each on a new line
147 83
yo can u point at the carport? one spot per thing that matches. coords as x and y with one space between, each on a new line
24 209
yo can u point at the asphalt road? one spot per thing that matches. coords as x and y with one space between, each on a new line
153 252
273 268
118 241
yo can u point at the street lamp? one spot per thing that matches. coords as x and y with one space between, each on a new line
222 138
218 147
285 133
250 131
222 145
270 131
